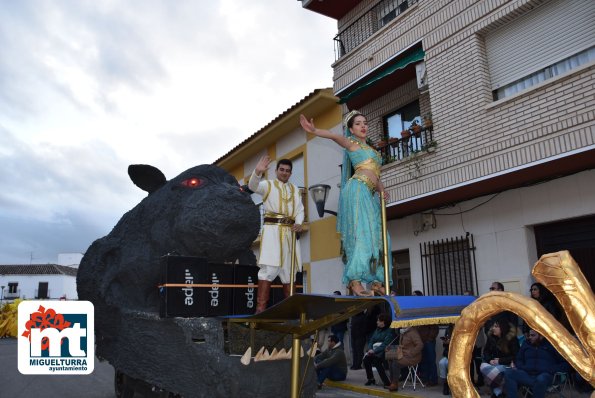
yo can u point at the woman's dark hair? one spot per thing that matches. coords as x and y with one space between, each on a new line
503 339
383 318
504 327
544 294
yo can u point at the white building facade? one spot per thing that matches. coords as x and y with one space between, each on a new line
38 281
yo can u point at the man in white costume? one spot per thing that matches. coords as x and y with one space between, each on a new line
284 214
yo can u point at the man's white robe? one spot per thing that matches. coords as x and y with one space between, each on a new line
275 244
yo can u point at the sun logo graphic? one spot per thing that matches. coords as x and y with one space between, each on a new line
56 337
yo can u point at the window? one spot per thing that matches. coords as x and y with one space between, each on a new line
547 40
13 287
448 266
402 119
568 64
389 9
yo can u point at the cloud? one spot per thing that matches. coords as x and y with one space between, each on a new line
88 87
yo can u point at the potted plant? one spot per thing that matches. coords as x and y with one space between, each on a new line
405 134
428 124
392 140
431 146
415 128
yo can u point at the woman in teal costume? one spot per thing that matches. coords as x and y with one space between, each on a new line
359 217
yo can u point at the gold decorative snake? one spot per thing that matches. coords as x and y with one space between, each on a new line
562 276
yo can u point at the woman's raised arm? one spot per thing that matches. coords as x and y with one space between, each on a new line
308 125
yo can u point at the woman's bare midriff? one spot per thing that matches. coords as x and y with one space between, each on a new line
370 174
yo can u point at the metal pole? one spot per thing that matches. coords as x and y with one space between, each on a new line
295 361
293 265
385 246
295 367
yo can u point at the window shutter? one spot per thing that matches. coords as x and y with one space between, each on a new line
542 37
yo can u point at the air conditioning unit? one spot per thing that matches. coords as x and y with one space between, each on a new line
422 76
423 222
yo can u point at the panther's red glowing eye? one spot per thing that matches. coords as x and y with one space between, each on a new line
192 182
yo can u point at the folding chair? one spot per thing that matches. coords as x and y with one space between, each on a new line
561 384
412 377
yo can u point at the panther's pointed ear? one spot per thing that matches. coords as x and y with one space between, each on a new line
146 177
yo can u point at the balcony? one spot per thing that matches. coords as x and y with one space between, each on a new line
368 24
12 295
396 149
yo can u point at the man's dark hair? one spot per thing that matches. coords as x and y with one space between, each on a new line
333 338
500 286
286 162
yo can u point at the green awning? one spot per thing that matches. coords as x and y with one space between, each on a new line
415 56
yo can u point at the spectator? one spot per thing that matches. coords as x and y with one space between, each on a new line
412 353
545 298
443 364
477 348
534 367
381 337
427 367
332 363
339 329
508 316
549 302
501 347
358 339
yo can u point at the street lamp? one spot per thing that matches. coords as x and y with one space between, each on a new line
319 194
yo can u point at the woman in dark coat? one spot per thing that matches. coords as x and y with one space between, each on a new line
501 347
381 337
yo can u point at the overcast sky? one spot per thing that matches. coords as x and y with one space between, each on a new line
89 87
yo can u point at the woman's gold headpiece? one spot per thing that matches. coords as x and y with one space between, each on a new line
349 116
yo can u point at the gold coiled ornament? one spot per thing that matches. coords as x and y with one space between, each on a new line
562 276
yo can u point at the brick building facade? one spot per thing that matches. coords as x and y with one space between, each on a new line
508 85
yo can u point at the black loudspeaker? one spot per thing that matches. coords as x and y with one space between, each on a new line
220 299
189 301
244 298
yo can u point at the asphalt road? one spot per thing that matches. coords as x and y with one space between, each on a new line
13 384
99 384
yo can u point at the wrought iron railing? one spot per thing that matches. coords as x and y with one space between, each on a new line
402 148
366 25
448 266
12 295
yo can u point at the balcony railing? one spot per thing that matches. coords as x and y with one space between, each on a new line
403 148
369 23
12 295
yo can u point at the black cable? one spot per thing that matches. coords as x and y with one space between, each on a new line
465 211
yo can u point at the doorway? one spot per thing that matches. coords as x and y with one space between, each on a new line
401 273
576 235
